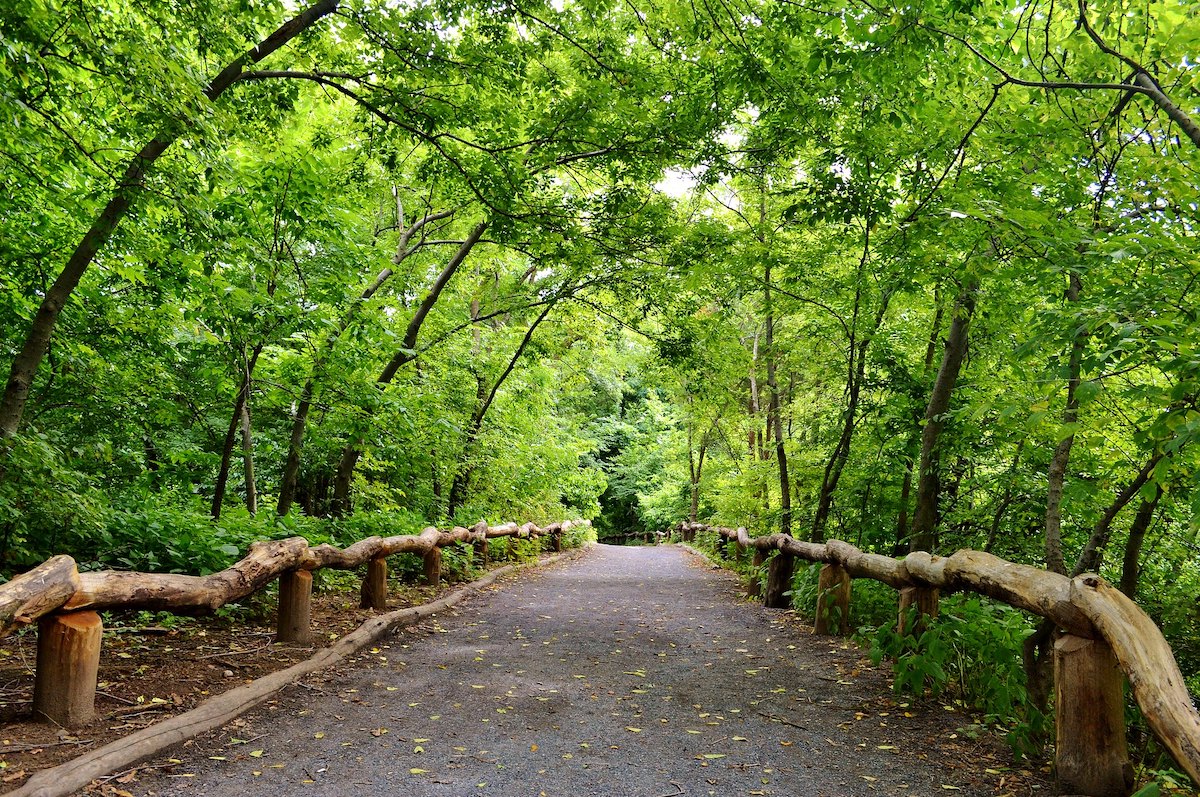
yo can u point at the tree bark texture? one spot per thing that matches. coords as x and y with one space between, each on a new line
774 418
1131 564
779 581
236 420
1056 475
833 601
374 592
294 620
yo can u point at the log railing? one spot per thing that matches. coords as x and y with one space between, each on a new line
65 603
1103 635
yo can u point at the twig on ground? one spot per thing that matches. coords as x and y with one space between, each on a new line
232 653
783 721
674 793
139 768
124 700
21 748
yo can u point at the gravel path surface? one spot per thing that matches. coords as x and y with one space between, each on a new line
630 671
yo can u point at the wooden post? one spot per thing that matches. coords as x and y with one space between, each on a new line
754 585
1091 756
556 540
68 658
433 566
833 598
374 587
722 546
779 581
926 601
295 607
481 545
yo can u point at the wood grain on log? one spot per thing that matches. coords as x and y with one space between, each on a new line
56 584
109 589
431 567
833 601
68 658
1090 753
37 592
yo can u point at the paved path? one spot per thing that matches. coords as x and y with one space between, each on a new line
631 671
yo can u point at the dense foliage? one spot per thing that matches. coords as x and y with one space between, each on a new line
915 276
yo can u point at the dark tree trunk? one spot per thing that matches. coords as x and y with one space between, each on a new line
248 460
696 471
351 453
1057 473
903 540
37 340
855 374
231 434
1005 500
1131 565
1093 553
773 411
925 518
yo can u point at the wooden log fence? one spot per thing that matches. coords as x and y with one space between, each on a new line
65 603
1104 635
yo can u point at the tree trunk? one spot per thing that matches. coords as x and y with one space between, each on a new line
248 460
1091 754
1092 553
68 658
291 467
773 411
1005 500
231 434
1062 452
755 436
696 471
903 540
925 519
37 340
1131 565
351 453
855 374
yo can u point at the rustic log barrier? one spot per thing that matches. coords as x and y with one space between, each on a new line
1103 635
65 602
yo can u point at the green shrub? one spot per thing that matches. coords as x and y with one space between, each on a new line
972 649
